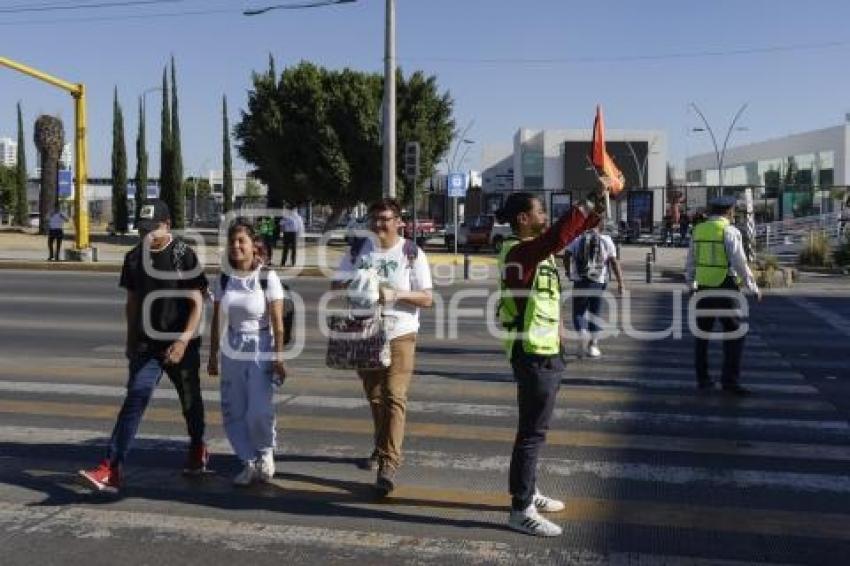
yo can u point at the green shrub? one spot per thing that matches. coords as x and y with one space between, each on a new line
766 269
815 250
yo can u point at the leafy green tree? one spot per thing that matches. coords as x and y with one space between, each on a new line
227 189
178 213
119 168
8 185
313 134
141 162
166 189
21 208
253 190
423 115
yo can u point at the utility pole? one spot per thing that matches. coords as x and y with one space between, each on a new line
389 103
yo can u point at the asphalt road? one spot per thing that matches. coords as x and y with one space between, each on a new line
651 472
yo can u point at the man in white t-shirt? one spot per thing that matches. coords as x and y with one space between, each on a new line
292 226
55 233
405 287
591 258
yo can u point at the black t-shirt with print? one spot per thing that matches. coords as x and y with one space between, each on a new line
168 313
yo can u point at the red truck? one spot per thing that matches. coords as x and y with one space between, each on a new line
426 228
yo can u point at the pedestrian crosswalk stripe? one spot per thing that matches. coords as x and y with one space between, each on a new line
583 415
597 416
736 478
478 433
462 502
307 382
340 544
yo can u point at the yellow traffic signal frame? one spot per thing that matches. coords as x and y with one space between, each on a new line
78 93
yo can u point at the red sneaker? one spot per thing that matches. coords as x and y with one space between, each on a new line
196 462
105 477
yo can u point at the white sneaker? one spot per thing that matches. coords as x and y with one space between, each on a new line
530 522
265 467
247 476
593 350
546 504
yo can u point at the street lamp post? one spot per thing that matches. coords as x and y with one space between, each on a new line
642 167
720 154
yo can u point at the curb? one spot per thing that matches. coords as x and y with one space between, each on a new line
113 267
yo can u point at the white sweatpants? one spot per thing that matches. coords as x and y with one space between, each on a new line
247 392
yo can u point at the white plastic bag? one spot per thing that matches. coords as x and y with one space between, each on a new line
364 292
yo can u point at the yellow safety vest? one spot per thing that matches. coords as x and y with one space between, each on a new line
539 325
712 263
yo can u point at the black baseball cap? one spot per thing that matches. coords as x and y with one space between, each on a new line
153 213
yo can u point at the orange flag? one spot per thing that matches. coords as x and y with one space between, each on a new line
599 157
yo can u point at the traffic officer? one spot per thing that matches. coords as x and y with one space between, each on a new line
530 312
717 262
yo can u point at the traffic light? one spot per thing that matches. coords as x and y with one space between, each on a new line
411 160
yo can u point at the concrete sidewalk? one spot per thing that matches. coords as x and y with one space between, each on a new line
26 250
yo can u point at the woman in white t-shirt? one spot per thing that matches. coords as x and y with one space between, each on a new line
405 287
248 304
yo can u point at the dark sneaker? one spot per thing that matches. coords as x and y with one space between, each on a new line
372 463
735 389
197 460
106 477
385 482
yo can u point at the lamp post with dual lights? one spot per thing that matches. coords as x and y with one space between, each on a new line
720 154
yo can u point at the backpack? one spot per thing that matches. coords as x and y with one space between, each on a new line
288 305
410 250
590 263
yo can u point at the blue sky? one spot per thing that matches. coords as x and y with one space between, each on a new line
507 63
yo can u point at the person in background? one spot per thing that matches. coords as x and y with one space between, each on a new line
590 260
266 231
292 226
250 298
530 314
716 261
163 340
55 233
684 228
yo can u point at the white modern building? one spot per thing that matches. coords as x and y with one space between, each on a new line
792 176
554 163
8 152
240 183
67 158
819 156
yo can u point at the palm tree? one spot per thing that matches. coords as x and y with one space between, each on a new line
49 139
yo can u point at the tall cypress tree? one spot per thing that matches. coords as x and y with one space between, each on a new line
178 212
20 204
141 161
119 168
166 192
227 160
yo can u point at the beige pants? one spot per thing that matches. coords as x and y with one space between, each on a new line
386 391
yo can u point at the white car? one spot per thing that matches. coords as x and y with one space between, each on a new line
478 232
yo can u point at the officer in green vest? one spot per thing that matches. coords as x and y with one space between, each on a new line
530 314
265 229
717 267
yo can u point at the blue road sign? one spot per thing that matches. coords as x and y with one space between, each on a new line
66 183
456 185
